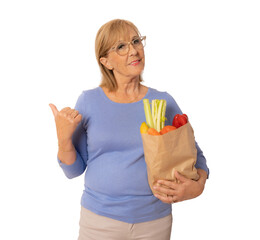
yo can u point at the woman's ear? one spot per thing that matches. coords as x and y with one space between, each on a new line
105 62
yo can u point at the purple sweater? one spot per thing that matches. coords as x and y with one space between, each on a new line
110 152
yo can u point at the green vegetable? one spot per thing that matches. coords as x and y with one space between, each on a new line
148 114
156 118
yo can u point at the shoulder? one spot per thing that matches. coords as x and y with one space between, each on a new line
86 98
87 95
90 93
154 93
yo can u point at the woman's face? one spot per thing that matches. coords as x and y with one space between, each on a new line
130 65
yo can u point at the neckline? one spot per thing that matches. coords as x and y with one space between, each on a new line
131 103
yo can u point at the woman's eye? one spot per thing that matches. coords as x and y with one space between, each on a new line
137 41
121 46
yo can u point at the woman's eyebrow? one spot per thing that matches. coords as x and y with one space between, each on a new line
135 37
121 40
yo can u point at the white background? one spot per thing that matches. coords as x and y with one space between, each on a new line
206 54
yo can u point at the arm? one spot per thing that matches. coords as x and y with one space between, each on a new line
66 122
72 157
66 152
172 192
201 162
76 152
71 138
186 188
202 180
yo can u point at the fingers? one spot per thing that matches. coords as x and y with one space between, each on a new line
78 118
170 192
170 184
180 177
54 109
164 189
65 110
166 198
74 113
71 114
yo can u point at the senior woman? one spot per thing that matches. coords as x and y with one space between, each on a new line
101 135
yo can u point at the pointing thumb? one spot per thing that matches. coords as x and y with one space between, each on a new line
54 109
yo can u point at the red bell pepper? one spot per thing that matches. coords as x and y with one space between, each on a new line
179 120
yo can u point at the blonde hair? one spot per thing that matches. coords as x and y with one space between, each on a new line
106 37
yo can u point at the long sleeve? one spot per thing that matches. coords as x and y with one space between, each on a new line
201 160
79 140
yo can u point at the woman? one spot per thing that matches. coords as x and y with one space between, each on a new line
102 135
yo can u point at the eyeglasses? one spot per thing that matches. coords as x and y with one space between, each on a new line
122 48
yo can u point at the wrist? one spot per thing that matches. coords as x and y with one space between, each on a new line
202 180
66 145
202 176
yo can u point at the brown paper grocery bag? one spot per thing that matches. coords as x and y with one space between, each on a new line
172 151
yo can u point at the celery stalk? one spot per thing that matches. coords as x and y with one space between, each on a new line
159 116
148 114
163 118
156 117
154 110
158 113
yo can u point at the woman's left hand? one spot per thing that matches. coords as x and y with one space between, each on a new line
183 190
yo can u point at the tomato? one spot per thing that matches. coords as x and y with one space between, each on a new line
179 120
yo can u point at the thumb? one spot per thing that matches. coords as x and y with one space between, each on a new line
180 177
54 109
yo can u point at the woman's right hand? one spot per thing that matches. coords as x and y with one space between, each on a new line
66 121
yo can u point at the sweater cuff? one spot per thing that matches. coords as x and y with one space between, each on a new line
75 169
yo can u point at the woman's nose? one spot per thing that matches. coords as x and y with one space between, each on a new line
132 50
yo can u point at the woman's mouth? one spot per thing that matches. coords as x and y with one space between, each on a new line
136 62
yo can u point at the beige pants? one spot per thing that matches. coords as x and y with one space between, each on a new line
96 227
